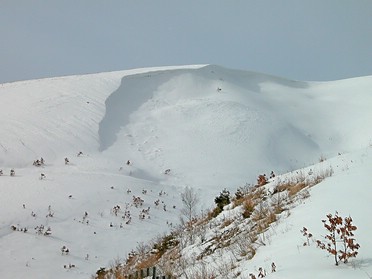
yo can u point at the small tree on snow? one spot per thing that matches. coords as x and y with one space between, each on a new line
190 201
223 199
339 231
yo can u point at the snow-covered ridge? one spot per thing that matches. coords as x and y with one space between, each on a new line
288 124
212 127
94 110
63 112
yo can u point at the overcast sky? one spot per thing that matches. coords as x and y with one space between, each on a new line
297 39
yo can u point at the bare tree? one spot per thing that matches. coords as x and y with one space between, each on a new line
190 201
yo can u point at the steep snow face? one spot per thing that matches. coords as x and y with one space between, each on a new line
52 117
133 92
227 119
56 116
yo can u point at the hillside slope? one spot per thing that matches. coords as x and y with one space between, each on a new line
264 224
211 127
227 119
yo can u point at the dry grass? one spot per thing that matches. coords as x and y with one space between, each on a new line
251 252
300 182
262 226
292 191
250 200
149 261
244 244
226 223
292 187
261 209
264 223
238 202
248 208
168 260
271 218
278 202
260 212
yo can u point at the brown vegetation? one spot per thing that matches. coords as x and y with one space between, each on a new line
260 205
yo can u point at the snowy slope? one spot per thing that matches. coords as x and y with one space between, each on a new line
286 124
212 127
347 192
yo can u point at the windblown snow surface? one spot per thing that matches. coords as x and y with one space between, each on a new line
212 127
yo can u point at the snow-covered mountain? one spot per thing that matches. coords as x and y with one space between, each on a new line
210 127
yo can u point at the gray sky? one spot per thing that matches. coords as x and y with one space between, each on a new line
297 39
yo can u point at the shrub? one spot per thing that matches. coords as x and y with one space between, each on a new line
223 199
239 194
261 212
101 273
278 202
261 180
242 191
339 231
214 213
167 242
248 208
308 236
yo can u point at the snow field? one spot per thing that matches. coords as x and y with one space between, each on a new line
214 128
